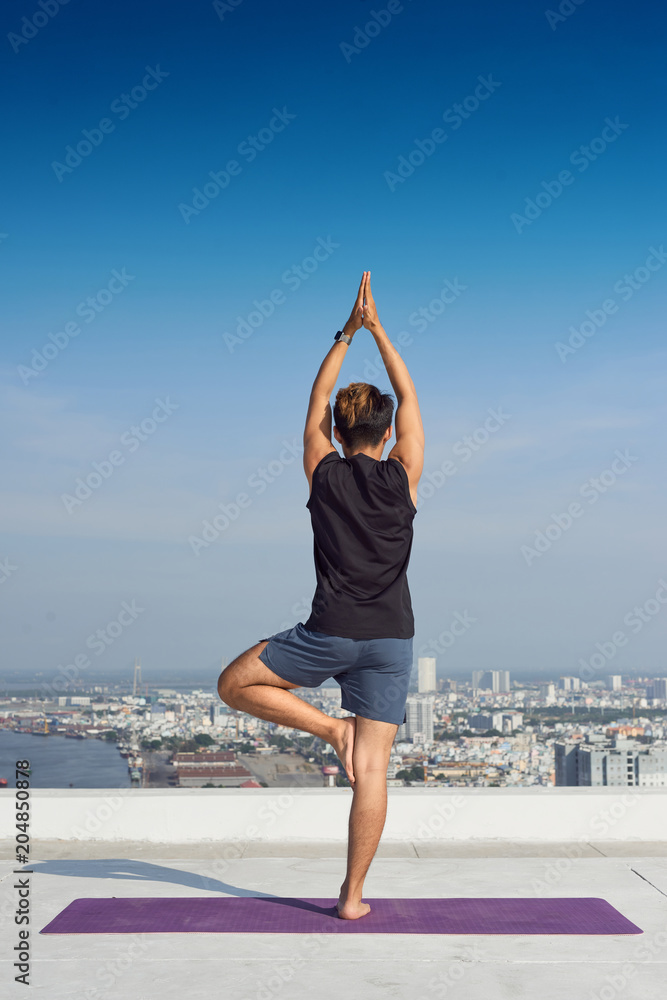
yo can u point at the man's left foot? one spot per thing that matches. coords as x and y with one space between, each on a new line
343 744
350 910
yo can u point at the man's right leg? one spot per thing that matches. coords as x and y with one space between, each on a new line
372 748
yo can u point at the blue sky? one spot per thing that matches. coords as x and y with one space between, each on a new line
540 200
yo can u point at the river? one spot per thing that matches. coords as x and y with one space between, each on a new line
57 762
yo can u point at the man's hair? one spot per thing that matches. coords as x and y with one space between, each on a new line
362 414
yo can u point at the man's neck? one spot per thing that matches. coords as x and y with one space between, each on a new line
375 453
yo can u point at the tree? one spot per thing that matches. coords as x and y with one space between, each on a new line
415 773
280 741
151 744
204 740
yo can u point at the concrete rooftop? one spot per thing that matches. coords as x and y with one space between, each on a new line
630 873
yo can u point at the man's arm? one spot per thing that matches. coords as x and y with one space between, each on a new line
317 433
409 447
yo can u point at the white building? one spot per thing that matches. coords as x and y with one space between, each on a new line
218 714
548 693
426 674
511 721
614 682
504 686
497 681
418 718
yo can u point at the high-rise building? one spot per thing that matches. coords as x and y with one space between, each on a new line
548 693
136 681
657 689
497 681
566 762
219 714
614 682
418 718
569 684
426 673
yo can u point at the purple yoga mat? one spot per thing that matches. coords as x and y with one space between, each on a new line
287 915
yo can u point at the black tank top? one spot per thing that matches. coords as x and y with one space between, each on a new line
362 514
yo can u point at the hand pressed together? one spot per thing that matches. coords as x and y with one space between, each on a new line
356 320
371 321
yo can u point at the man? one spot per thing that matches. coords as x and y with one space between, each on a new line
361 625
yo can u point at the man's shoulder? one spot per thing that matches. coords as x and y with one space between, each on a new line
331 458
396 476
320 474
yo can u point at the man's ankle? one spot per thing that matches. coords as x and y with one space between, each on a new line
334 729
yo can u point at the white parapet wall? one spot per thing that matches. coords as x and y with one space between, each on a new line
181 815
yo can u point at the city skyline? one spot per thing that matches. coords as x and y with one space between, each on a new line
70 683
461 734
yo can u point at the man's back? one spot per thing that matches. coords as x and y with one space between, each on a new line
362 514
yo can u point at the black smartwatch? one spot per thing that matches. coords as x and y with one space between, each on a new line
343 336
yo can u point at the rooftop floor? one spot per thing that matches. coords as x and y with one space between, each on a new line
632 876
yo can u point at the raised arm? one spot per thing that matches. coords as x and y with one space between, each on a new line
317 434
409 447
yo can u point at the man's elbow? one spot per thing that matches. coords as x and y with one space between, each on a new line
405 395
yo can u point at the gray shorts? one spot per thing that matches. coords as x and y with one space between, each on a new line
373 674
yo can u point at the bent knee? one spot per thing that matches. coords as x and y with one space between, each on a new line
227 687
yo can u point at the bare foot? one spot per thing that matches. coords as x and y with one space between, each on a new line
343 744
352 911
